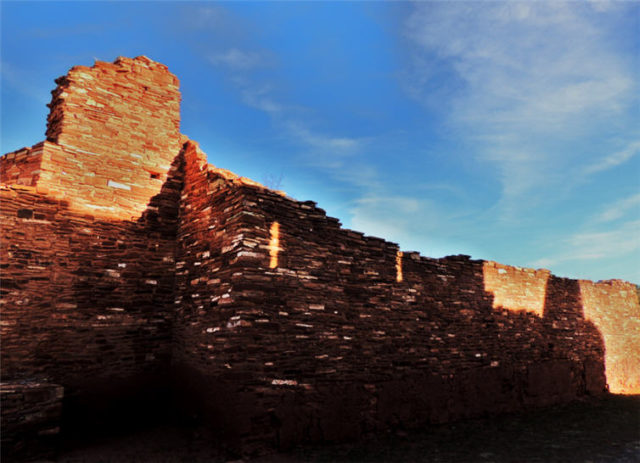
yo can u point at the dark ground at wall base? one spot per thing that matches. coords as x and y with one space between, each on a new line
597 430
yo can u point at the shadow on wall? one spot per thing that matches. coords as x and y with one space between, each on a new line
567 334
328 345
87 302
611 305
564 314
322 343
614 307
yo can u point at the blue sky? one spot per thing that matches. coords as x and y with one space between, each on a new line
509 131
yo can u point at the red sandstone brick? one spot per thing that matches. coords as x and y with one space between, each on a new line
325 345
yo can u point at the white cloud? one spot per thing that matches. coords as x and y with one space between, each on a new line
620 209
390 217
615 159
412 222
210 17
289 118
601 5
524 80
237 59
592 245
240 66
258 97
334 145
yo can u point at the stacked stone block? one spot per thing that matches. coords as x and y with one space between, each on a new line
128 262
113 133
82 298
613 307
22 167
31 415
329 345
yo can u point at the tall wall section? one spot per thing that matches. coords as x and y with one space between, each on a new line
113 132
88 238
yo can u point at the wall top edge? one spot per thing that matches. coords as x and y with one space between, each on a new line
122 64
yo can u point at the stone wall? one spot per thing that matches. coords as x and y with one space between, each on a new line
88 245
22 167
307 332
612 306
129 262
31 415
113 132
85 301
516 288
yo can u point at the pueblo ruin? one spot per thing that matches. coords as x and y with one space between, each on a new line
134 272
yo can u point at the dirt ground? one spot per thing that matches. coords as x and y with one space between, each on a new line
596 430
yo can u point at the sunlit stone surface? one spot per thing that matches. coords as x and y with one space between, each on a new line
132 267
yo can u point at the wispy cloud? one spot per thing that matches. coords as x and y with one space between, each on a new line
212 16
620 209
288 118
597 245
259 94
608 238
615 159
385 216
522 79
411 221
335 145
245 62
237 59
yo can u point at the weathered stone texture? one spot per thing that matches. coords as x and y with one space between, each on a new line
81 298
22 167
516 288
128 261
31 415
329 345
614 308
113 133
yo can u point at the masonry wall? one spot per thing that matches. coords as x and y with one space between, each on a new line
85 302
313 336
88 225
113 132
612 306
31 414
22 167
128 262
89 220
210 257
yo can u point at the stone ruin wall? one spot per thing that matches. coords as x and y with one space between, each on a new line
88 240
22 167
612 306
84 272
312 337
268 318
113 132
